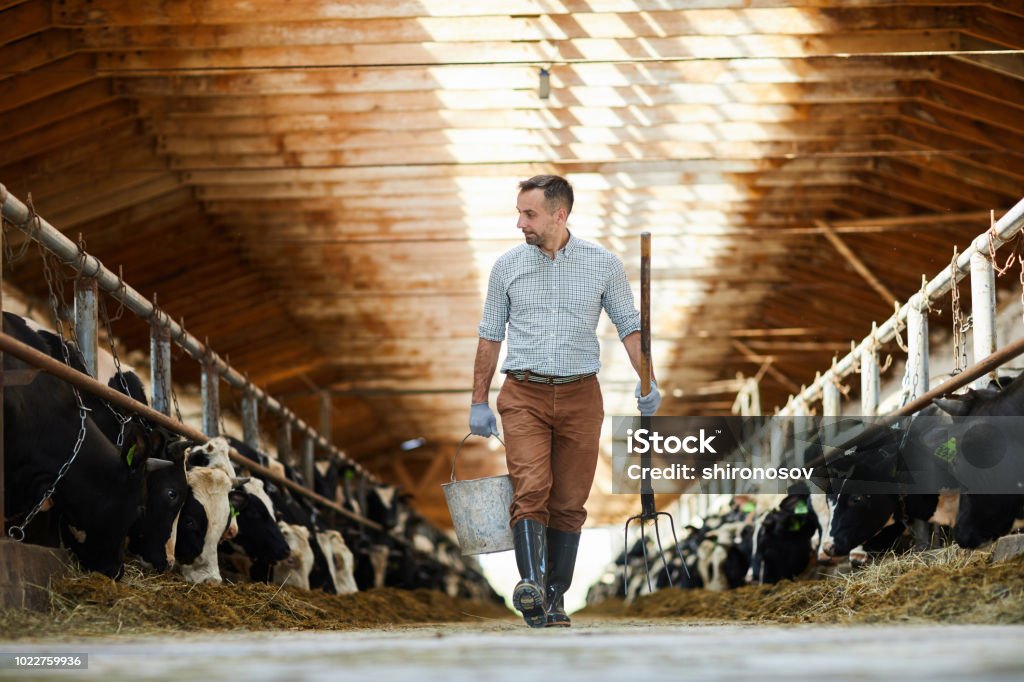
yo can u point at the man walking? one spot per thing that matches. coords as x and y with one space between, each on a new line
548 293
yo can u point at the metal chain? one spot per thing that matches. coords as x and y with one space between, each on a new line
1020 259
992 236
17 533
122 420
959 327
896 327
10 257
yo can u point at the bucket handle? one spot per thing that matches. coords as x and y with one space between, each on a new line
460 448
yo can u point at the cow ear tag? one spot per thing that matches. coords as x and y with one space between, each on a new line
130 457
748 507
800 508
947 451
234 512
349 475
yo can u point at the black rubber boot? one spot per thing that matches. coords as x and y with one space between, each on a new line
562 548
529 538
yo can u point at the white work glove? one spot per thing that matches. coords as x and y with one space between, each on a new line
482 421
648 404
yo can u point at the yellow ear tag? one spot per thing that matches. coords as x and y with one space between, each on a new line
130 457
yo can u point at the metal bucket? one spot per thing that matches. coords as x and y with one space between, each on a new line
479 510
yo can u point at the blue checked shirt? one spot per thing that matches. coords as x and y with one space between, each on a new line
551 307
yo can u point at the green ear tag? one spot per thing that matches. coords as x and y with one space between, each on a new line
947 451
795 524
350 474
130 457
800 508
234 512
748 507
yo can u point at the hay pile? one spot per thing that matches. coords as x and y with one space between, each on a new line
949 585
88 605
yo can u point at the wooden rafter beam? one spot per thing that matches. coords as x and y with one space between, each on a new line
760 359
856 263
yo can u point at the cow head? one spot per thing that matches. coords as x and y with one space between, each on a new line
100 505
856 518
258 532
210 488
154 534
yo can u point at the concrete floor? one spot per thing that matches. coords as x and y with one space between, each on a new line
499 650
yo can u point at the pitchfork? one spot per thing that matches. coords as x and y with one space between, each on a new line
648 511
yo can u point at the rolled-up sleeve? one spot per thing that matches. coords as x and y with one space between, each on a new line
618 300
496 306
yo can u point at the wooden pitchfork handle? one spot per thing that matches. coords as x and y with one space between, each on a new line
645 313
647 505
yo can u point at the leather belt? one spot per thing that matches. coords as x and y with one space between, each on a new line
550 381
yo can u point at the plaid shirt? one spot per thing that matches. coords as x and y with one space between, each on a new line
551 307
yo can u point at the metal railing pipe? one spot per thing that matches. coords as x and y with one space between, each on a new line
983 310
9 344
36 227
1002 231
86 321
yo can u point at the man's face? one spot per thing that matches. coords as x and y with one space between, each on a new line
540 227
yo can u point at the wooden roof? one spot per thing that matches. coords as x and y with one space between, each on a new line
321 187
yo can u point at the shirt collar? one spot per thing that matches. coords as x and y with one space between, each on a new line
566 250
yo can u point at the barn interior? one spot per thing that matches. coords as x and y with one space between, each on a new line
320 189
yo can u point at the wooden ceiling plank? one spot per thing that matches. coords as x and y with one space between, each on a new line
353 182
490 94
974 190
219 123
148 191
158 12
984 84
46 80
988 23
475 29
24 20
589 153
511 52
100 151
34 52
969 132
442 193
61 105
82 179
307 140
63 133
338 106
97 193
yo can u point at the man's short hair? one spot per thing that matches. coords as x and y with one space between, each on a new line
557 190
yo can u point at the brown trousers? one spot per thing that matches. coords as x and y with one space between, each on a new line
551 445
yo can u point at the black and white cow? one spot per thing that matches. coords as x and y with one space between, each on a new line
783 546
104 491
